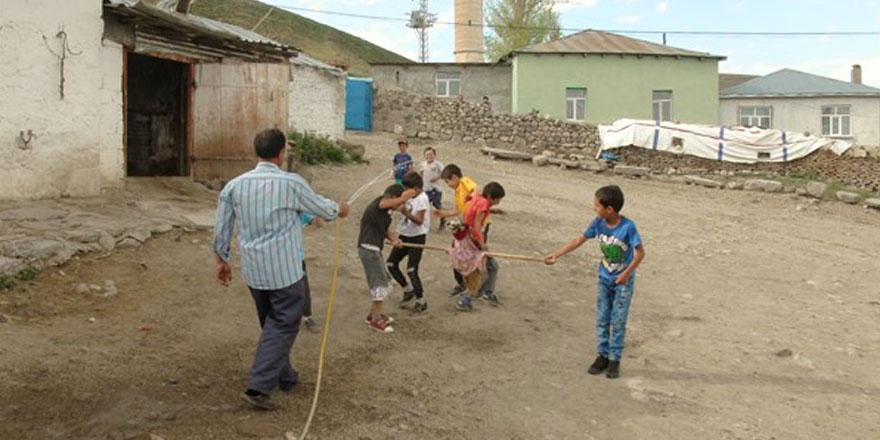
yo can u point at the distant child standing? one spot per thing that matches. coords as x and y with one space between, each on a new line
476 219
430 169
403 162
413 228
622 252
374 231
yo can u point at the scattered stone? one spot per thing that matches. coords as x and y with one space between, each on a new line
10 265
289 435
3 319
33 214
93 320
848 197
458 367
506 154
128 242
144 436
816 189
355 151
82 288
540 161
801 192
701 181
734 185
802 361
626 170
872 203
784 353
110 288
107 242
82 236
770 186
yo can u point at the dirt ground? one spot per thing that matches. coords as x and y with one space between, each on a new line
754 317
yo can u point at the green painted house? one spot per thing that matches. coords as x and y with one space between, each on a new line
599 77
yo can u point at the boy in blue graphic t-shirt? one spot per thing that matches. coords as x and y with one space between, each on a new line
403 162
622 252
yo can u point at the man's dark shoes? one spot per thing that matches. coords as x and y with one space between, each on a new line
259 400
599 365
613 370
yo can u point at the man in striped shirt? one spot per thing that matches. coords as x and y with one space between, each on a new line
265 205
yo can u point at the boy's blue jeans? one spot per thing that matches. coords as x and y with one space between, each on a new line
612 309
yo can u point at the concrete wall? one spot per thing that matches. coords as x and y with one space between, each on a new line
617 87
477 81
317 101
805 115
77 144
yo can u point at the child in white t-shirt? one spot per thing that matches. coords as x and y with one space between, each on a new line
413 228
431 169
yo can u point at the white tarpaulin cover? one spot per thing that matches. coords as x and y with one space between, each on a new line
731 144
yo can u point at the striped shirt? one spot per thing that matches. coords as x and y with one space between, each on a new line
267 203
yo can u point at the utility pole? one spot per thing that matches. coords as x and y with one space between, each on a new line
420 20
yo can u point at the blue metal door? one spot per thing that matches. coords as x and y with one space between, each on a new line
359 104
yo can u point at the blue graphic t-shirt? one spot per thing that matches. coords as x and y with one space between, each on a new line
402 161
617 244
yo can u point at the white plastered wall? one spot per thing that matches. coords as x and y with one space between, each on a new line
805 115
76 145
317 101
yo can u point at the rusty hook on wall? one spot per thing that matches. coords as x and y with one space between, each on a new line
24 143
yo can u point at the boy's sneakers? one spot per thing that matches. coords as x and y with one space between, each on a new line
385 317
420 307
381 325
457 290
490 298
613 370
311 325
464 303
408 296
259 400
599 365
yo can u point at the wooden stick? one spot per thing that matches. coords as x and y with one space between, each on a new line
494 254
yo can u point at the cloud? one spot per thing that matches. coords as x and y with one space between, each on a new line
567 5
662 7
628 19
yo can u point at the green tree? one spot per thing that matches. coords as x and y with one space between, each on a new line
514 24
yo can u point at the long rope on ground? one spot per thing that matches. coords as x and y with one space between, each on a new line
326 332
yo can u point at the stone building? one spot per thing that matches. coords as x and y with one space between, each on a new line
317 97
94 91
472 81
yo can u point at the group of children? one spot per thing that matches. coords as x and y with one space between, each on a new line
415 193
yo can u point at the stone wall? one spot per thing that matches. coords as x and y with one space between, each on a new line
53 146
427 117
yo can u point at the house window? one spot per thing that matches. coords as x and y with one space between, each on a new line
756 116
448 83
662 105
575 104
835 120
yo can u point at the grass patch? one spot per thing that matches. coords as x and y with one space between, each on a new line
27 274
315 150
6 283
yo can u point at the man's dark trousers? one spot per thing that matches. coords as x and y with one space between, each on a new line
280 312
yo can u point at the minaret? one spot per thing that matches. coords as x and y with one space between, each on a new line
469 47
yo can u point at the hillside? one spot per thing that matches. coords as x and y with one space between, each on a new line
323 42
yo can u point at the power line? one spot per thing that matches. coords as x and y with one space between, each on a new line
617 31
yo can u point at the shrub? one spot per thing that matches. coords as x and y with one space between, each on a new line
314 150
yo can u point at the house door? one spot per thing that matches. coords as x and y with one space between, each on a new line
156 116
359 104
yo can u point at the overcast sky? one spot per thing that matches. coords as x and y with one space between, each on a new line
823 55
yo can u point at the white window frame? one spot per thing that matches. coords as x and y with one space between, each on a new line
753 119
571 103
658 103
446 80
836 117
